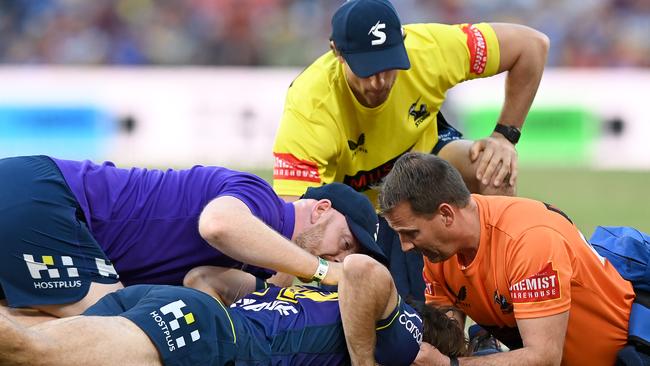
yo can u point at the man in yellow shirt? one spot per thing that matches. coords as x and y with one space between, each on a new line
377 95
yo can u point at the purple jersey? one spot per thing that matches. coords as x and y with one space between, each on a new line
146 221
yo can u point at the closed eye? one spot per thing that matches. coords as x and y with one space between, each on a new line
411 234
347 245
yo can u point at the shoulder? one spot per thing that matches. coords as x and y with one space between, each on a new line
510 212
445 33
428 32
315 83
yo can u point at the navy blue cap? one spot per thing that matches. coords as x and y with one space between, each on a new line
368 33
358 211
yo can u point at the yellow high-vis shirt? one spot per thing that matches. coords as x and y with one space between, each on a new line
326 135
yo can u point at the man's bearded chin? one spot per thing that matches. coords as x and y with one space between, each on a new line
312 238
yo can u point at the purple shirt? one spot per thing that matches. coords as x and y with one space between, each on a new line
146 221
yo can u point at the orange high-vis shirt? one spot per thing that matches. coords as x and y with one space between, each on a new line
533 262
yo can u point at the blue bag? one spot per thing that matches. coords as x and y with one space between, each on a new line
629 252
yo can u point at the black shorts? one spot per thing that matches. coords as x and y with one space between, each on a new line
188 327
47 253
446 134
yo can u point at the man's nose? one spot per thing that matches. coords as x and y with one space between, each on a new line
378 81
406 245
338 257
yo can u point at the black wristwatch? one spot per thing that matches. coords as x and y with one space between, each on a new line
511 133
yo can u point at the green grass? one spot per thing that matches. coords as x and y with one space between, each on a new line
592 198
589 197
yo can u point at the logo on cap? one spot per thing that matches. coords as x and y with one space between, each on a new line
375 30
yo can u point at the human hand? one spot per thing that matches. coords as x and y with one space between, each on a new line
497 160
334 274
430 356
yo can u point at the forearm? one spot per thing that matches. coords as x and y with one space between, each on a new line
363 305
15 347
521 86
229 226
520 357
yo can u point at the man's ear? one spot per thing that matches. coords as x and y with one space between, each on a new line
320 207
337 53
447 213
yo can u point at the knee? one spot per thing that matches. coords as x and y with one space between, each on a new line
194 278
364 267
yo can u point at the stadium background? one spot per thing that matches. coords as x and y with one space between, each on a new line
176 83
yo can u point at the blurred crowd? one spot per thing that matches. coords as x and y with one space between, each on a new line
584 33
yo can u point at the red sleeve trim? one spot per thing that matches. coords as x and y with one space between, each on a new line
289 167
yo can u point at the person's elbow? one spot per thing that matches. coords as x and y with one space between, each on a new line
531 44
521 47
214 228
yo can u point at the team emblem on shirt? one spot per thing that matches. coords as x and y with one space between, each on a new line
505 306
418 112
460 297
356 146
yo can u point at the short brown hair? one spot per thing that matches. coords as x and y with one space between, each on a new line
425 181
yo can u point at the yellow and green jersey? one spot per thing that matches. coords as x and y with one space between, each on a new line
326 135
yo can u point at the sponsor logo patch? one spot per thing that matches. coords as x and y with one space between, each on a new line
478 52
365 179
105 268
409 322
542 286
289 167
50 277
282 307
172 329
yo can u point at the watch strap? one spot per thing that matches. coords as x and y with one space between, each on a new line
511 133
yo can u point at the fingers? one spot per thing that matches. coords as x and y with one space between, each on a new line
514 170
502 171
334 274
497 163
427 355
488 164
475 150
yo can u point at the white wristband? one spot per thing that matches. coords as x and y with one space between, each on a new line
321 271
